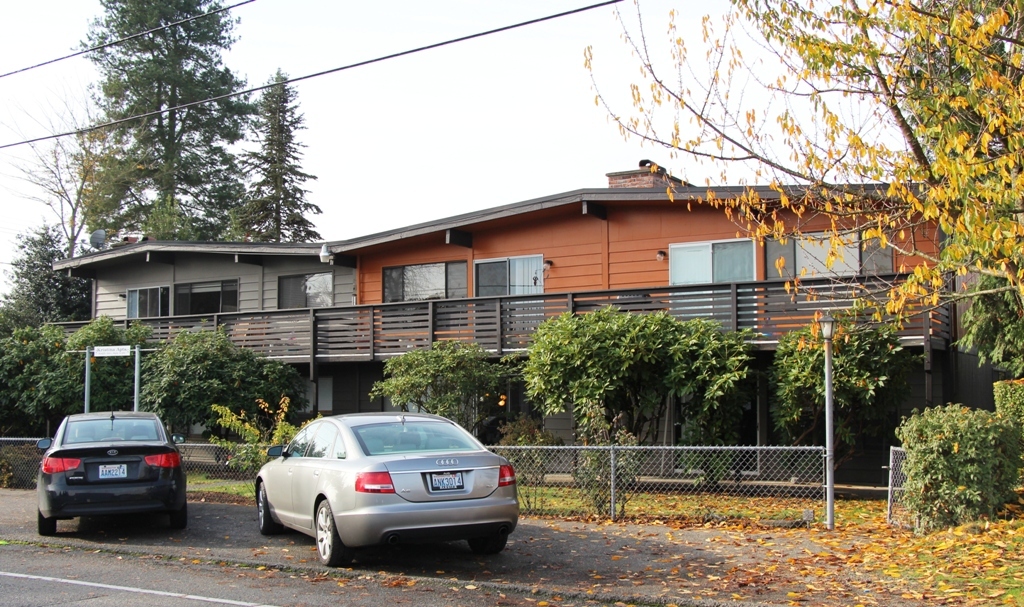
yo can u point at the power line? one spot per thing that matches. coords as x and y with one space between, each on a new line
132 37
309 76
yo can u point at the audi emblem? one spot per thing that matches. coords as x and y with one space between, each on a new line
112 451
447 462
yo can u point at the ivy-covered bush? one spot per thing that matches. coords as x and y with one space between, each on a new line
962 464
1009 397
869 378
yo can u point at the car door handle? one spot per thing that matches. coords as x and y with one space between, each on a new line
316 473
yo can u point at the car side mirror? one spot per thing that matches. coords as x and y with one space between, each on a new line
276 451
178 439
44 443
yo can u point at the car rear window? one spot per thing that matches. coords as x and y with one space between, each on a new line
412 437
101 430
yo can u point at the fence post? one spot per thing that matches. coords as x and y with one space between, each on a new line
612 448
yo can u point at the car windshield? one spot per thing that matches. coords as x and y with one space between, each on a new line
412 436
107 429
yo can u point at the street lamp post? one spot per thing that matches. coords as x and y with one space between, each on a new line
828 325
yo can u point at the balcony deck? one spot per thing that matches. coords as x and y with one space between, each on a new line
506 324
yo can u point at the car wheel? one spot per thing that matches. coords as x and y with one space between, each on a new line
328 543
491 544
46 526
179 518
267 524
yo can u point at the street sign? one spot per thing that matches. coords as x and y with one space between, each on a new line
112 351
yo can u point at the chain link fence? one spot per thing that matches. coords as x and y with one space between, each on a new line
896 513
705 483
694 483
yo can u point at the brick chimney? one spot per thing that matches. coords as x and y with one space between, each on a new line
649 175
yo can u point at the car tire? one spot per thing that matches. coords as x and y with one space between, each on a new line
328 543
179 518
266 522
491 544
46 526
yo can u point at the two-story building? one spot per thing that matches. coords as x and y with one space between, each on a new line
339 309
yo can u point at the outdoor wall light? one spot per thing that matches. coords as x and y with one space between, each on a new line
325 255
547 264
660 256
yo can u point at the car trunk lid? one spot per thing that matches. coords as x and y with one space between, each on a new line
444 476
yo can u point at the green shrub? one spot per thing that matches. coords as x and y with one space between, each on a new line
1009 397
962 464
530 464
19 465
593 472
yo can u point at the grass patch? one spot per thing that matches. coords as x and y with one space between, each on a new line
200 482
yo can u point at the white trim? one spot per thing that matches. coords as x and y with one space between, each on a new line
709 243
509 269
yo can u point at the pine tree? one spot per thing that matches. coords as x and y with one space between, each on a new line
39 294
276 205
177 178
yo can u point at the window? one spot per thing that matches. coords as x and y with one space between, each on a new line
297 448
149 303
206 297
806 257
446 280
323 441
511 276
705 262
306 291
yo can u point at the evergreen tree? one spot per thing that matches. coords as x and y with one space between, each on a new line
177 177
39 294
276 205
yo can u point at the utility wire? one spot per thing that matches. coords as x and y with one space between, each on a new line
132 37
309 76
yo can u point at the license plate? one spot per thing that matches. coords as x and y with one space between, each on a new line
446 481
114 471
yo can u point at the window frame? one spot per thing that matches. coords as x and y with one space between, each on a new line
446 271
306 275
508 273
862 256
238 289
128 300
711 258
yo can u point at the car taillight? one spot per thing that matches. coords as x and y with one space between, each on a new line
506 476
52 465
374 482
164 460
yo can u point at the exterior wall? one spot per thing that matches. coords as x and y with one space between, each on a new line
276 267
587 253
198 268
111 283
257 285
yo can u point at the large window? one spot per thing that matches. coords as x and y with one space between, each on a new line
704 262
511 276
807 258
149 303
445 280
305 291
206 297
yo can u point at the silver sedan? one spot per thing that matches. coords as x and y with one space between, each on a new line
387 478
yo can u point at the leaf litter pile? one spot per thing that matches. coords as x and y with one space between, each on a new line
865 561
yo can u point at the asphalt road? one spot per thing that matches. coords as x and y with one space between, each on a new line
221 555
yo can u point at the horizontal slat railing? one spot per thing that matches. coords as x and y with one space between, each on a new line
507 324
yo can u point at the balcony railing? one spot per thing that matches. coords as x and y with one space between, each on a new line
506 324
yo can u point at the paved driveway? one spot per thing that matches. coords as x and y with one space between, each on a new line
556 559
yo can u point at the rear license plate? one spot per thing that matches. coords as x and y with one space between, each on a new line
114 471
446 481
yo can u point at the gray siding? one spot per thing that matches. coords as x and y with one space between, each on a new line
275 267
189 268
257 284
112 283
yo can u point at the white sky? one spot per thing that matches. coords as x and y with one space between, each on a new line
487 122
